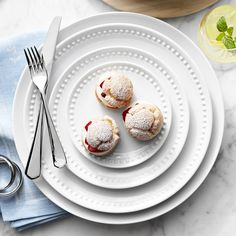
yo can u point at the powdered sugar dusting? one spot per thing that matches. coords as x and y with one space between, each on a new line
102 134
118 89
121 87
144 121
106 146
98 132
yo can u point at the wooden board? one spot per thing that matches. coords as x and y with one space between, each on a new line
161 8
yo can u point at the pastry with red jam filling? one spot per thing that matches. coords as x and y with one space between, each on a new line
143 120
100 136
114 90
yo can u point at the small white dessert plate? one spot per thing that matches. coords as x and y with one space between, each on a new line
129 152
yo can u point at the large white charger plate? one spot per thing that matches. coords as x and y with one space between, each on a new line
204 169
105 16
148 195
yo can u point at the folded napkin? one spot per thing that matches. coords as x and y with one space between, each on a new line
29 207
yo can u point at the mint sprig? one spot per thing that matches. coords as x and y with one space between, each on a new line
225 35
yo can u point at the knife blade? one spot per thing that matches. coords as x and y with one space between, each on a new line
50 43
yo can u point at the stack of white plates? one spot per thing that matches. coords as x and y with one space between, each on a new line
138 181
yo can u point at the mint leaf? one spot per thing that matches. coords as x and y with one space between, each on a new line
221 24
230 31
228 42
220 36
226 33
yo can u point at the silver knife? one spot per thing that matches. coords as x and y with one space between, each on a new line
50 43
33 167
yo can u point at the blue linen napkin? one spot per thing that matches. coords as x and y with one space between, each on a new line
29 207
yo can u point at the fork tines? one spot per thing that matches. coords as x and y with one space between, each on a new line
34 60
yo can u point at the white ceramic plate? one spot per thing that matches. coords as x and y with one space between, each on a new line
166 156
129 151
204 168
200 175
180 160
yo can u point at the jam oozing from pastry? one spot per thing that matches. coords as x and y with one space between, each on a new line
124 113
86 126
86 142
102 83
90 148
103 95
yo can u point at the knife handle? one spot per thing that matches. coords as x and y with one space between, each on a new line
58 154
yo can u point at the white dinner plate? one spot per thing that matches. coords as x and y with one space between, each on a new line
88 40
177 165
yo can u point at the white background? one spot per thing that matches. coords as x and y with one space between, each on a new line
212 209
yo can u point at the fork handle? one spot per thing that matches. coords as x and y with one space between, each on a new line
58 154
33 166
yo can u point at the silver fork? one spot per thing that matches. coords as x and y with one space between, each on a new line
39 77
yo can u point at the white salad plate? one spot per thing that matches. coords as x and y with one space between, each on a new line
150 84
173 172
